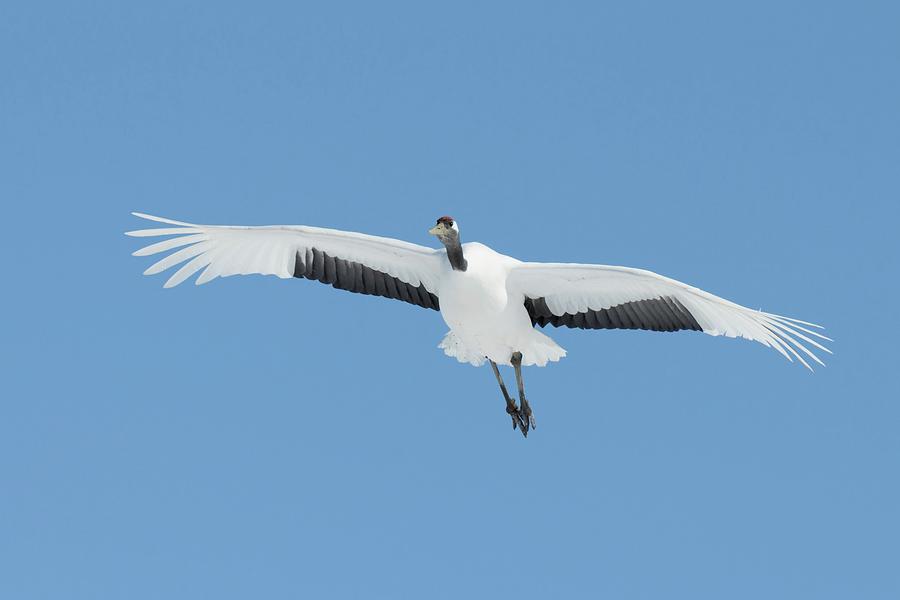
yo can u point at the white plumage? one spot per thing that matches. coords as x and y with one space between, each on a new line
478 304
486 316
573 288
491 302
225 250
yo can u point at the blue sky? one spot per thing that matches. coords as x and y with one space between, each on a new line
279 439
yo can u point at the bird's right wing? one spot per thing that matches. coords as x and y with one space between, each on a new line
607 297
349 261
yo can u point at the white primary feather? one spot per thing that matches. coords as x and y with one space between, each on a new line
225 250
575 288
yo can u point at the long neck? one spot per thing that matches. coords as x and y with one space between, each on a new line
455 254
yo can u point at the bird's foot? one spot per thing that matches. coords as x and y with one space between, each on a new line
517 422
526 416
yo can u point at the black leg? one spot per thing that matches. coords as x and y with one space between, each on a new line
526 417
511 409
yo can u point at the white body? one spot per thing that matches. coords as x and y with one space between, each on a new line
486 319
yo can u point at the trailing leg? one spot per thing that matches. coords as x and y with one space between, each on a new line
526 417
511 409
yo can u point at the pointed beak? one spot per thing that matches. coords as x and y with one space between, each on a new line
436 230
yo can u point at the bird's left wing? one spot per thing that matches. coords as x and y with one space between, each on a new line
607 297
350 261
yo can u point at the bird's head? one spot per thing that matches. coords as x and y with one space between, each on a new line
446 230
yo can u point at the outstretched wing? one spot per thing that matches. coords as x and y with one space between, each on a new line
606 297
349 261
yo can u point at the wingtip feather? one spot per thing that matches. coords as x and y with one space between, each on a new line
161 219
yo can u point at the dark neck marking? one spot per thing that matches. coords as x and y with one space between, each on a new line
455 254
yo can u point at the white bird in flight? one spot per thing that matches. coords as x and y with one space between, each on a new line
491 302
